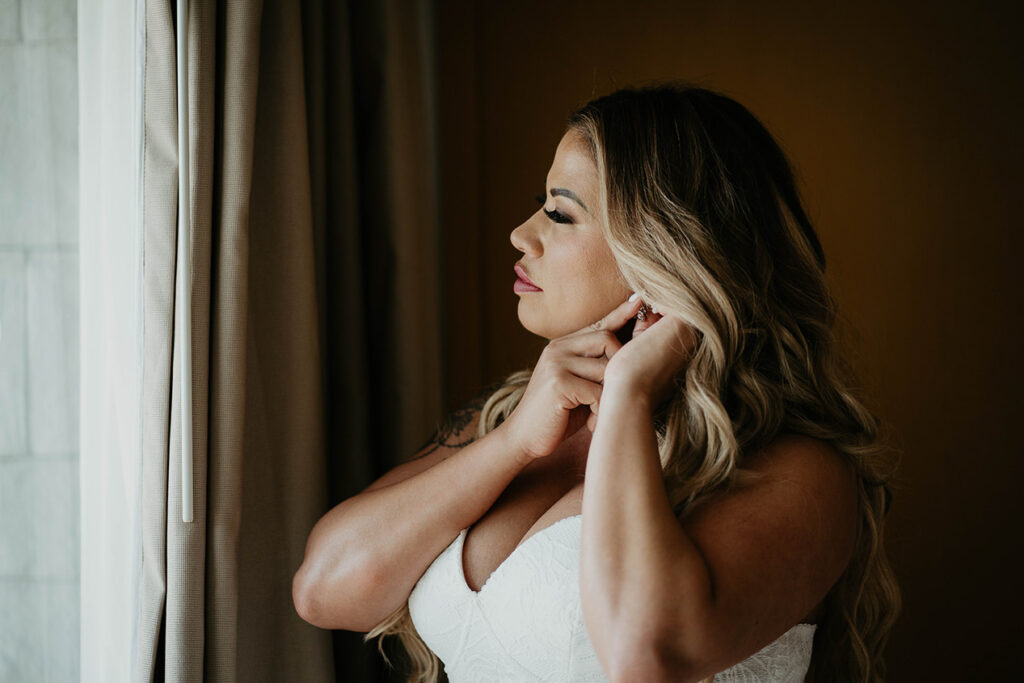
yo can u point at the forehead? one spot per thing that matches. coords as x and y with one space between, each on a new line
573 167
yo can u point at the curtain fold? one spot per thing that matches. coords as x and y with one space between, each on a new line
158 228
315 321
370 104
282 480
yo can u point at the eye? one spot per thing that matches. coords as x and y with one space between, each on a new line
556 216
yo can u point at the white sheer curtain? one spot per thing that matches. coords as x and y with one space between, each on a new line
110 37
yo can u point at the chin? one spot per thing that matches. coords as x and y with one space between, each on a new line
532 329
534 326
545 329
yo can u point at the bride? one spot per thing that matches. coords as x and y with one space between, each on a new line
684 484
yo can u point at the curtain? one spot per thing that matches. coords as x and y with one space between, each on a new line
314 314
110 313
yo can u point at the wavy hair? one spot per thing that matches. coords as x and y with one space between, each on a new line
701 212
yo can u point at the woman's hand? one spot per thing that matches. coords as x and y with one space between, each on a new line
566 384
647 365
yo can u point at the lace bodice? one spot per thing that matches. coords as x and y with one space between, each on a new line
525 623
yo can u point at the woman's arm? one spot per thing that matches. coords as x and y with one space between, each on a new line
679 600
671 601
636 562
364 557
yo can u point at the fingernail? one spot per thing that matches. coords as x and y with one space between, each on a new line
634 297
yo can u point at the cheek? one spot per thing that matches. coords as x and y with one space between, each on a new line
594 282
604 275
588 259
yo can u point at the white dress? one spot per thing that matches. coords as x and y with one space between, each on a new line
525 622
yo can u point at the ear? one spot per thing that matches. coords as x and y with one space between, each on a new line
625 333
649 319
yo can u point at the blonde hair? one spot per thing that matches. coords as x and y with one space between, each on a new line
701 212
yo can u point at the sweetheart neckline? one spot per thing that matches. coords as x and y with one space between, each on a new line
461 540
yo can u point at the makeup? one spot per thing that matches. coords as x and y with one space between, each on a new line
523 283
521 287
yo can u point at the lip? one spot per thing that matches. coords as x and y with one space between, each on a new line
524 280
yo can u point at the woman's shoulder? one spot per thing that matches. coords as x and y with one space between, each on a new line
798 467
815 472
460 427
782 538
795 453
814 458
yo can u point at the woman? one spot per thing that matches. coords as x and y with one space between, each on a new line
722 510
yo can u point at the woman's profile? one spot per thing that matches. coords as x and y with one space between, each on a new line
684 485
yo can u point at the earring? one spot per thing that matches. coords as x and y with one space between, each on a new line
642 313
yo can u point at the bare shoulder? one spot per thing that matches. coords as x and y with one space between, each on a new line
815 475
799 455
776 545
792 468
453 433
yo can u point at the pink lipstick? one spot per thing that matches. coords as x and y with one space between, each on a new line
523 283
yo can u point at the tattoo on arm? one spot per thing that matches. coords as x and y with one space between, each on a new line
447 432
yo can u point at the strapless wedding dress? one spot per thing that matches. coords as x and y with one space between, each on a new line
525 622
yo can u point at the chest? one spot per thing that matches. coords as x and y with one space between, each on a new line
525 624
548 490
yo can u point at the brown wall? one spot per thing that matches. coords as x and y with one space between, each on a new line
903 126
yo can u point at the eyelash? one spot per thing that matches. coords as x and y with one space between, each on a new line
556 216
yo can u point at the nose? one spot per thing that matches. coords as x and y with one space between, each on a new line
525 239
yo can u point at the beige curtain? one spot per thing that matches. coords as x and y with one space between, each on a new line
315 353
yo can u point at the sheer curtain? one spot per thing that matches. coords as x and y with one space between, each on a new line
314 355
110 37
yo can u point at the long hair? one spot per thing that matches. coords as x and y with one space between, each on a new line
700 209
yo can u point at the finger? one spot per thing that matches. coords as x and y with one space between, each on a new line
577 419
579 392
590 344
618 317
588 368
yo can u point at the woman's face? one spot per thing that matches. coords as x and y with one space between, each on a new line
565 252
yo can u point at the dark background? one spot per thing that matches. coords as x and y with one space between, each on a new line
902 122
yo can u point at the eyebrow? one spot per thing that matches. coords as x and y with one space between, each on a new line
562 192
